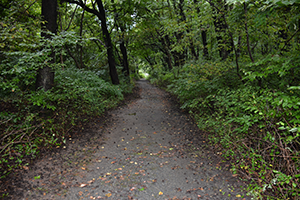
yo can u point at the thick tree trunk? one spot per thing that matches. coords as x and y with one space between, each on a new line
45 75
110 53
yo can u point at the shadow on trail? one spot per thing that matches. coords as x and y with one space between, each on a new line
148 149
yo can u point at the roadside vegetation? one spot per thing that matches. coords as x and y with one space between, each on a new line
33 119
248 101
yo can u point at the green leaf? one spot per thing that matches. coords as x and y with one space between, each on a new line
294 185
37 177
297 176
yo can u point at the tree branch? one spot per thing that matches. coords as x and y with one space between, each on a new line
86 8
71 18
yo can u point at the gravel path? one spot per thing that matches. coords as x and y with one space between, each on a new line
148 149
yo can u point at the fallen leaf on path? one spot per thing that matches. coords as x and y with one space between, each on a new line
91 181
108 195
133 188
25 167
160 193
83 185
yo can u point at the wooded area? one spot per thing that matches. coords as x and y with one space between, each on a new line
234 65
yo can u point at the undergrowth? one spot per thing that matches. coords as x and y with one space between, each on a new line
33 120
255 122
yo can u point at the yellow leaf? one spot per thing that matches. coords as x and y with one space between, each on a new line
108 195
160 193
238 195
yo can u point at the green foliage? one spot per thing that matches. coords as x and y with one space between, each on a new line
257 128
87 88
40 119
272 68
18 70
248 101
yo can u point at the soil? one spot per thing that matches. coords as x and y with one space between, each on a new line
146 149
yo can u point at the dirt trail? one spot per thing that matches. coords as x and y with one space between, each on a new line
148 149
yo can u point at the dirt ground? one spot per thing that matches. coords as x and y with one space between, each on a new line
146 149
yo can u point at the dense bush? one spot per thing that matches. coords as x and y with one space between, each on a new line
36 119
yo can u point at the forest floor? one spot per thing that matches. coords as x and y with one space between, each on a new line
146 149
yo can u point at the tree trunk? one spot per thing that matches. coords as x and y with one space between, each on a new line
225 45
45 75
247 34
110 53
204 42
166 43
203 35
80 34
124 54
179 56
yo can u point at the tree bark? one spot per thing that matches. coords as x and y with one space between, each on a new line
166 43
225 45
80 34
204 42
45 75
203 35
124 54
109 47
179 56
247 34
